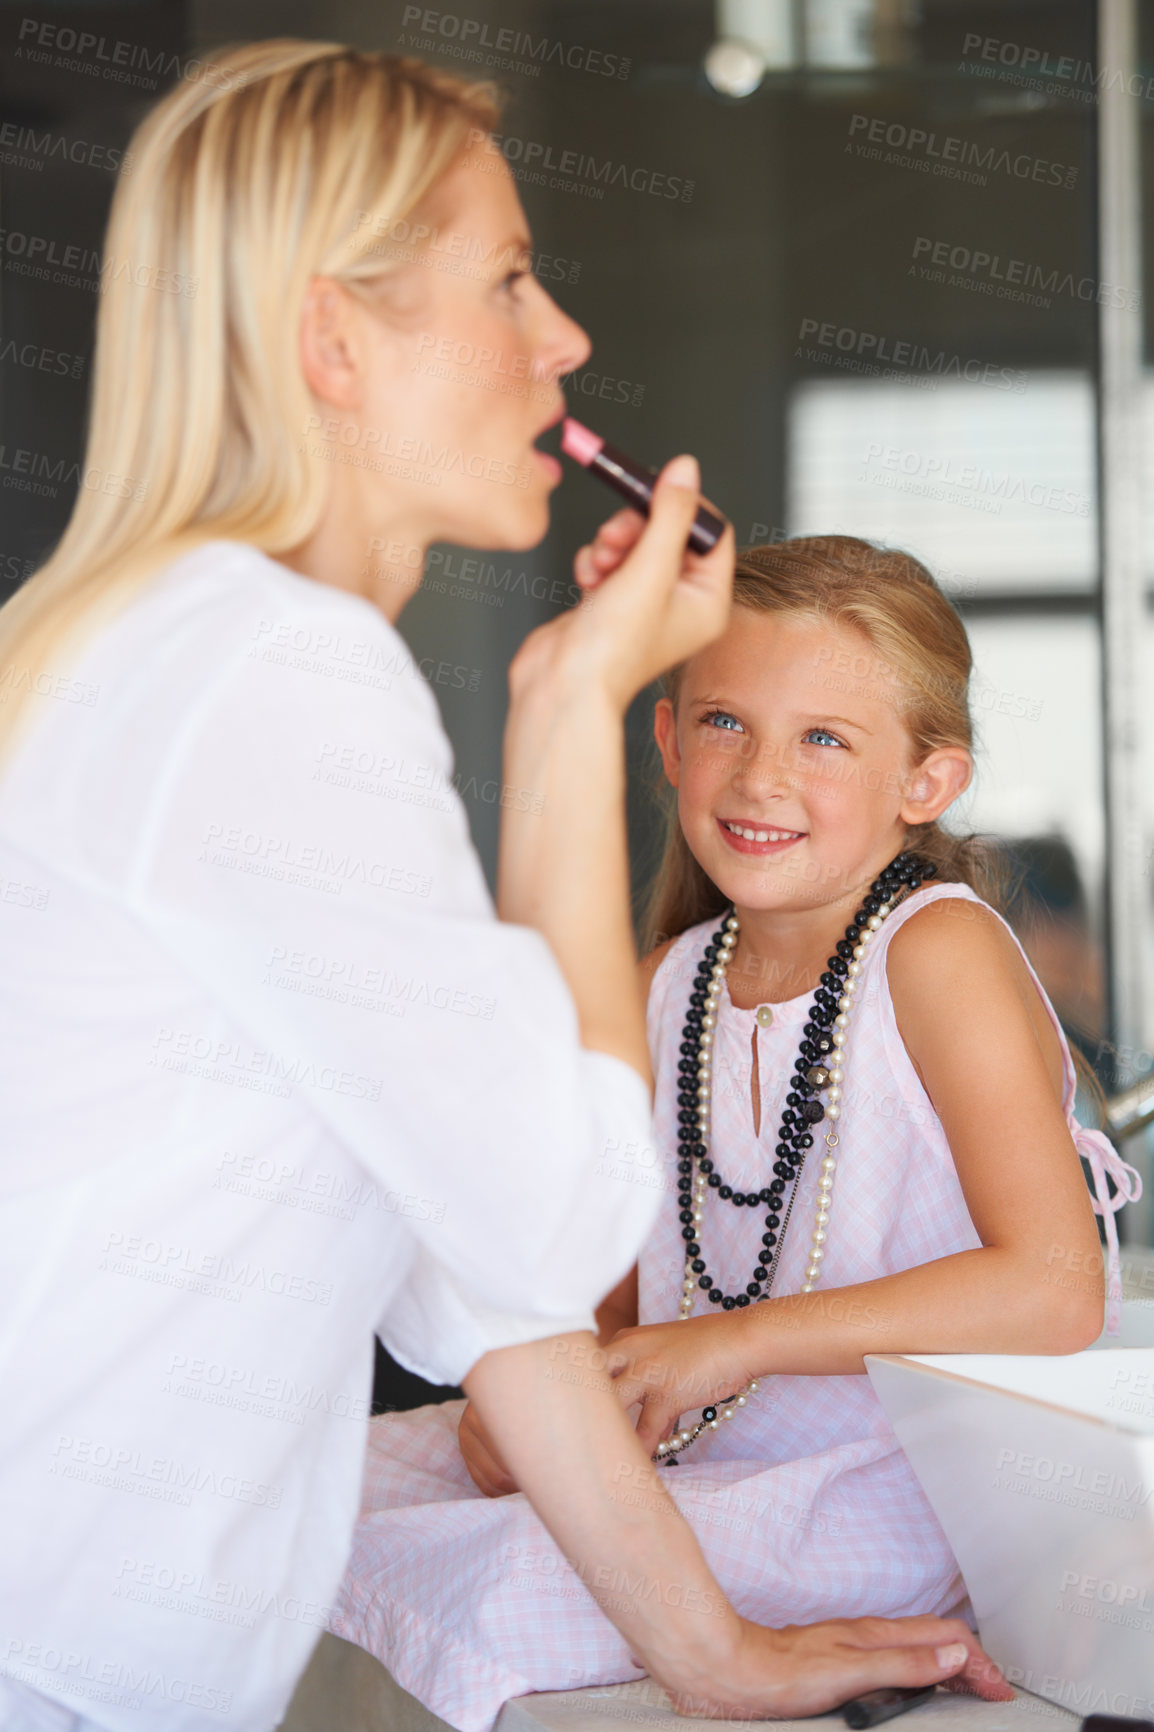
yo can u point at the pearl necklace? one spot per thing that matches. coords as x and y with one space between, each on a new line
819 1067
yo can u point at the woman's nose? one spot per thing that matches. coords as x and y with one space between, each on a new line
561 345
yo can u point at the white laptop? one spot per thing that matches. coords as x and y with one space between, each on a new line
1041 1472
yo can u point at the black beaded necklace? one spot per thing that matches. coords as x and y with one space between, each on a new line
816 1059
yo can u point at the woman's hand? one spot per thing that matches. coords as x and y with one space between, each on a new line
675 1368
663 602
482 1457
600 558
805 1669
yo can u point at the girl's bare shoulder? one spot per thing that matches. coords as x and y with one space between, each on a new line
955 962
950 930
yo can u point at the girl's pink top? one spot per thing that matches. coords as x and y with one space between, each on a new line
805 1504
897 1201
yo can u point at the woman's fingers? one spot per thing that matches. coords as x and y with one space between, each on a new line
850 1672
697 589
584 569
647 602
823 1676
613 541
676 496
937 1663
809 1669
977 1675
619 532
980 1677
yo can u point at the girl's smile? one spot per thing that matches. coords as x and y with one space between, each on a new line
745 837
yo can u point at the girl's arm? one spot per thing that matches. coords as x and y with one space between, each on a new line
979 1038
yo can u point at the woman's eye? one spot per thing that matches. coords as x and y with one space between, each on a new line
822 737
512 278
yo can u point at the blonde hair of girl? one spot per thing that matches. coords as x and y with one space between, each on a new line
917 638
293 162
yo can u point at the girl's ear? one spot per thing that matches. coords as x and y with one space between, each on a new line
665 733
936 783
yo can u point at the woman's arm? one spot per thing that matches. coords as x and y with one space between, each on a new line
617 1311
564 865
980 1040
487 1467
576 1455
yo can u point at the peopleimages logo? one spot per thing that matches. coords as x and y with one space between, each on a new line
914 357
1070 1483
532 160
512 50
124 62
126 1684
956 158
976 262
1021 64
42 145
916 471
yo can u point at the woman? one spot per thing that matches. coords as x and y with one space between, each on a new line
277 1074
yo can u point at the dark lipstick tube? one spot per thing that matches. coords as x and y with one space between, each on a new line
633 481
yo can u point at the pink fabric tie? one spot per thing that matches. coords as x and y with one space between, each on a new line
1096 1148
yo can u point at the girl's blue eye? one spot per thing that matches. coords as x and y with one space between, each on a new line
823 737
721 717
513 277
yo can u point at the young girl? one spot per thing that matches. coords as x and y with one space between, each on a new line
864 1124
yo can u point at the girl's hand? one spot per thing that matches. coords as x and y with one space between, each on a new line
663 604
675 1368
482 1458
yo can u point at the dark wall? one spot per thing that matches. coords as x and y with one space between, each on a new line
697 303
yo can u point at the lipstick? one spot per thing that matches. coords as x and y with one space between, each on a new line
632 480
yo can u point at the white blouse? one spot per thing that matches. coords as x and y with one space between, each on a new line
274 1075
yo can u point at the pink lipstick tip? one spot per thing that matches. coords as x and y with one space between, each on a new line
578 442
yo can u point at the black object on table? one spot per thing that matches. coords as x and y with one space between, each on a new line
878 1705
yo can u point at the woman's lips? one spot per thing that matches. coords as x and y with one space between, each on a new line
551 464
762 839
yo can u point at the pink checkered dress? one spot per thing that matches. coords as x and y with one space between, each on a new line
805 1504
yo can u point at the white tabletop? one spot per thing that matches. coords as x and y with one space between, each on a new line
641 1705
